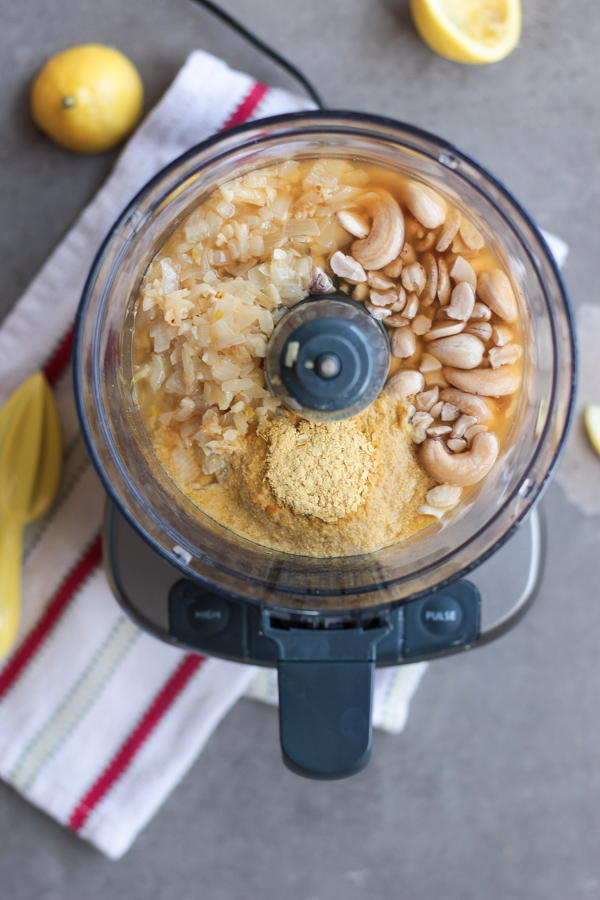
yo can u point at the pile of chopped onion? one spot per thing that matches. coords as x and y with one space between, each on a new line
213 295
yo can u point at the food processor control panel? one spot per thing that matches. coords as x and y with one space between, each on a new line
442 621
448 620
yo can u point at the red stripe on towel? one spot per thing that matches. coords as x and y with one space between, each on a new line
56 607
247 107
60 359
125 755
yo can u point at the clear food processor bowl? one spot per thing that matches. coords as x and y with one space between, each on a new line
205 550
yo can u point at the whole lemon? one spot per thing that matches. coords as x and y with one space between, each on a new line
87 98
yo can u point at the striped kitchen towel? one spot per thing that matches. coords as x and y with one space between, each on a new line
98 720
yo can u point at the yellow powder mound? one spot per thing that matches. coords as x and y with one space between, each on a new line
319 469
382 508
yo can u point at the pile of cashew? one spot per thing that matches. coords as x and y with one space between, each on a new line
452 322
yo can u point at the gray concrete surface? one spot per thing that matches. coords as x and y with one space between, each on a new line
493 790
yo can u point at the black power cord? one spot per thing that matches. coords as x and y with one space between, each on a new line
264 48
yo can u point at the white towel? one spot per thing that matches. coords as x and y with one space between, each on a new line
98 720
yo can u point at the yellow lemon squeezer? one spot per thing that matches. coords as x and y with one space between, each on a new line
30 467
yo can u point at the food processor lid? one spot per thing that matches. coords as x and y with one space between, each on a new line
305 584
302 600
327 359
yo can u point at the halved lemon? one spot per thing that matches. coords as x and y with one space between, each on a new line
469 31
592 423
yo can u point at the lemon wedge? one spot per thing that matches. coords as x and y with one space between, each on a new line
592 423
469 31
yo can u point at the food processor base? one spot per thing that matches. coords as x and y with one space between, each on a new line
325 672
458 617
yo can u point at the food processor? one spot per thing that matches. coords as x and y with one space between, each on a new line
325 623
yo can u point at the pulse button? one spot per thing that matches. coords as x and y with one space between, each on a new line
447 619
441 615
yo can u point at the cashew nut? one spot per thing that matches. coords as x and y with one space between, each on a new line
346 267
407 254
386 236
443 282
353 223
464 351
395 267
470 235
463 271
431 270
502 334
482 330
394 300
435 378
412 306
429 363
360 292
427 243
421 325
508 354
444 496
426 510
467 403
399 302
386 299
450 412
427 209
472 430
462 302
404 384
421 421
495 289
404 343
380 282
397 321
438 430
378 312
414 277
444 331
462 424
450 230
426 399
488 382
462 469
481 311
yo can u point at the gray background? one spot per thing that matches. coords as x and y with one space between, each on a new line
493 790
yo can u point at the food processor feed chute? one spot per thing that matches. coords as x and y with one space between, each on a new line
327 359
